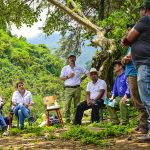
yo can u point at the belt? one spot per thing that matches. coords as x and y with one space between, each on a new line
72 86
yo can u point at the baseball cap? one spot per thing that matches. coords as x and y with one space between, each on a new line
145 4
71 54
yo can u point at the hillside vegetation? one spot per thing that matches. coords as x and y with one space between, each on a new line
35 65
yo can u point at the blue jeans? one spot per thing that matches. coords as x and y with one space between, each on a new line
2 121
21 112
143 79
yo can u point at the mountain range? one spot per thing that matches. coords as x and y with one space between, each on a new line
87 52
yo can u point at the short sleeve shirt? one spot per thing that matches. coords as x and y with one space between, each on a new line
141 47
26 98
94 89
77 70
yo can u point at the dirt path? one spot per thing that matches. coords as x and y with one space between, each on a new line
123 143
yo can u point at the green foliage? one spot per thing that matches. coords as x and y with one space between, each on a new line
98 137
18 12
33 131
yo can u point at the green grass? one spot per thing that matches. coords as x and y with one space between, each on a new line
100 136
31 131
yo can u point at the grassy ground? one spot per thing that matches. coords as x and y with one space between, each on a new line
102 135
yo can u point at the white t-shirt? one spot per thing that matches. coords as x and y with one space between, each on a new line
94 89
77 70
26 98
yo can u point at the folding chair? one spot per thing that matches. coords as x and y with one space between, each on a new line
52 105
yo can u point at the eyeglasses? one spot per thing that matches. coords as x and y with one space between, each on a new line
20 85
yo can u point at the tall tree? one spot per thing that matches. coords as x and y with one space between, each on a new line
111 25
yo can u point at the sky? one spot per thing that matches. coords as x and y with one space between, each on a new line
36 36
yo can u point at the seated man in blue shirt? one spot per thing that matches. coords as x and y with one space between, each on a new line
120 95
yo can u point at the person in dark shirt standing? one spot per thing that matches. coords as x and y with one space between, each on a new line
139 39
131 74
120 95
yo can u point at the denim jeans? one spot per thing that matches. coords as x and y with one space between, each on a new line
143 80
21 112
2 121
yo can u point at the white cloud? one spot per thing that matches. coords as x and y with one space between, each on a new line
30 32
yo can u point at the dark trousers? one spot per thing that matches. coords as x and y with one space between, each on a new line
94 114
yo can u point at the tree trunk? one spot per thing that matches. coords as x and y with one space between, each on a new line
101 11
103 60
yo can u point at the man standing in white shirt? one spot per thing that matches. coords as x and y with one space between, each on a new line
96 93
21 101
71 75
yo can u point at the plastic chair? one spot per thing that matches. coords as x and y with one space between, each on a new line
52 105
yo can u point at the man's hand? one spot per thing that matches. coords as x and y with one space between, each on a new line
124 100
126 59
71 75
14 104
111 99
27 105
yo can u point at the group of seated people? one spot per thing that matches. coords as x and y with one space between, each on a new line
21 101
96 95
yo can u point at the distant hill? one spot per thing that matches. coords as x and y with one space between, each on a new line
52 43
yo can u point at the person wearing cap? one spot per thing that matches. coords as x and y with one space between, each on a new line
120 95
131 74
95 94
21 101
71 75
139 40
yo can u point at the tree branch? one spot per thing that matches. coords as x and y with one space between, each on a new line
85 22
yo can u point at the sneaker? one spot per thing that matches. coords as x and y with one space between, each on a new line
137 128
31 120
141 131
21 128
145 137
5 133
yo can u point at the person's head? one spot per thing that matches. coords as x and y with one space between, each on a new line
94 74
145 8
71 58
20 86
118 66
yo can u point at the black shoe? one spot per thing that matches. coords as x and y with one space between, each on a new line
31 120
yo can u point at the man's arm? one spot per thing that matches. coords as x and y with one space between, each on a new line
135 32
100 95
88 100
63 78
84 77
14 99
127 94
132 35
63 75
114 92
